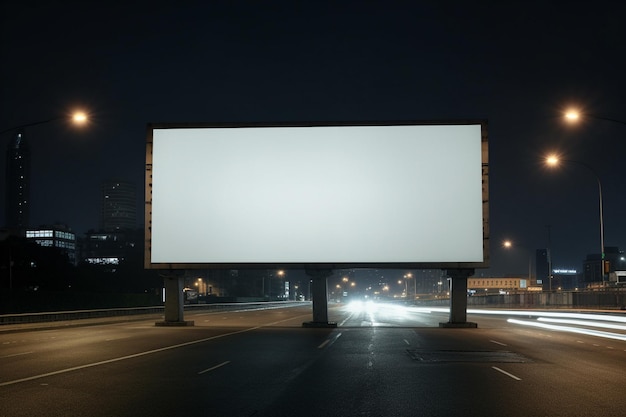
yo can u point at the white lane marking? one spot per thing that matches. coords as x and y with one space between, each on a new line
507 373
329 341
498 343
148 352
15 354
346 319
407 342
214 367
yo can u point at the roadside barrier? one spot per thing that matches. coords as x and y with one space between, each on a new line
118 312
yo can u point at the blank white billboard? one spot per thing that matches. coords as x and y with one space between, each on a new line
335 195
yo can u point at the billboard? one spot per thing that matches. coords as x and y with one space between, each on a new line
330 195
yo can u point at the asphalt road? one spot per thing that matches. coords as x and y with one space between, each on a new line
380 361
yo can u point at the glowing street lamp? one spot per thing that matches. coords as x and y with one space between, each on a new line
201 287
574 116
554 161
408 276
77 118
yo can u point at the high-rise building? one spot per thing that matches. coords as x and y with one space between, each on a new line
17 183
119 205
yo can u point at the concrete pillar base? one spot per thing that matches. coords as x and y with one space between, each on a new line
465 325
319 324
174 323
174 302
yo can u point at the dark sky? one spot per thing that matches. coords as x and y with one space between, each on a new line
517 64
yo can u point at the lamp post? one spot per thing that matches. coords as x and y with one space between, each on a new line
553 161
574 116
408 276
78 118
281 274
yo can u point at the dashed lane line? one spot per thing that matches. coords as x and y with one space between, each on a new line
140 354
214 367
507 373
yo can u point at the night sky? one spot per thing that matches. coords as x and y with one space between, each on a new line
517 64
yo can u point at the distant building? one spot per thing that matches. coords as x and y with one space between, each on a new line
58 236
497 285
17 179
109 249
592 269
542 268
565 279
119 206
429 281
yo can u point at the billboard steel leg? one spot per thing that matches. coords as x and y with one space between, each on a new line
458 298
319 285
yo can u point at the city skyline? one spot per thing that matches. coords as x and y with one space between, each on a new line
118 197
520 66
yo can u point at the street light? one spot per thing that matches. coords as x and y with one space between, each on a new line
281 274
573 116
408 276
201 287
78 118
553 161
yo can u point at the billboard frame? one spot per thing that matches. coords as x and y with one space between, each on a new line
148 264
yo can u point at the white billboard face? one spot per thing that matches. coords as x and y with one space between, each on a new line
316 195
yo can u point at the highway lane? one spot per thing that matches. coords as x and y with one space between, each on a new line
381 360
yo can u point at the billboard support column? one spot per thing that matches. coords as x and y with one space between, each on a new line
458 298
319 287
174 301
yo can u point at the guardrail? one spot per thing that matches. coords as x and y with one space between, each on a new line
43 317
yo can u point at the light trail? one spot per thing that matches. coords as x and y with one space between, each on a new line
590 323
578 330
